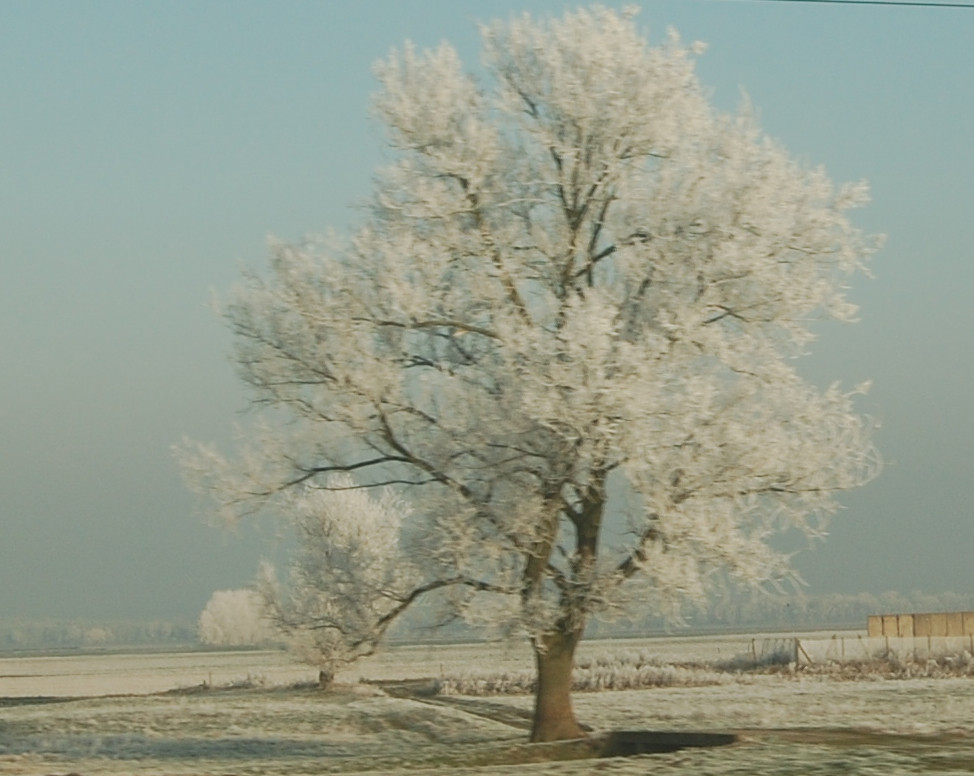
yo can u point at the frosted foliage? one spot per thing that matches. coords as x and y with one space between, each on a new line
566 331
348 577
235 618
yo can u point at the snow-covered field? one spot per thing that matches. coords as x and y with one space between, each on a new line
788 723
83 675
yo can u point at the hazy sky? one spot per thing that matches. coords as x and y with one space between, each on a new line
149 149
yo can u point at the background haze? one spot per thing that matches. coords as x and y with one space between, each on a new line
149 149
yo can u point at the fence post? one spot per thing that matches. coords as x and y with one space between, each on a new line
799 647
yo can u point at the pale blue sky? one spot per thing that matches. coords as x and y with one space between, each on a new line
148 149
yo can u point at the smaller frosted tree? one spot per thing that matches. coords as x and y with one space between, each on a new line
234 618
348 580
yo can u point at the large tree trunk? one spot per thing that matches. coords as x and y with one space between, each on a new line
554 718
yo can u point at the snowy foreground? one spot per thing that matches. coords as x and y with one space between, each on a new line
789 723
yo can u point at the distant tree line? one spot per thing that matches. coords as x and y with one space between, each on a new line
794 612
26 634
734 610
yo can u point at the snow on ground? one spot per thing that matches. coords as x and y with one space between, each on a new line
84 675
789 724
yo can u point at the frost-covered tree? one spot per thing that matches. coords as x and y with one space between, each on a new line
567 330
235 618
348 579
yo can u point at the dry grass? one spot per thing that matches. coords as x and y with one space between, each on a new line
636 670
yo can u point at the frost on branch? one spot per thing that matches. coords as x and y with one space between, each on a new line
567 332
348 578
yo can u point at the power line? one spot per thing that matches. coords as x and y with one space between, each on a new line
905 4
